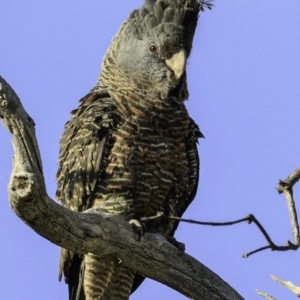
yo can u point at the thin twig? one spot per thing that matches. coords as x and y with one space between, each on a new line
286 187
271 245
265 295
209 223
250 219
289 182
160 215
288 284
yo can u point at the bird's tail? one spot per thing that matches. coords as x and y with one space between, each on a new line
103 278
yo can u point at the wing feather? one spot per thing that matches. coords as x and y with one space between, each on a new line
81 162
194 166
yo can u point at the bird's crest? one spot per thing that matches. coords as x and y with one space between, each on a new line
180 12
160 13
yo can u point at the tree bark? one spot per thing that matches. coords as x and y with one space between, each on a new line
95 231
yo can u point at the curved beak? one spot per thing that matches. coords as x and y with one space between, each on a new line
177 63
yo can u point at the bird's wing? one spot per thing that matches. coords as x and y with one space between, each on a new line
82 159
194 166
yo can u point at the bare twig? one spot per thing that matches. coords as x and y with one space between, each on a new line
289 182
288 284
161 215
271 245
265 295
209 223
286 187
250 219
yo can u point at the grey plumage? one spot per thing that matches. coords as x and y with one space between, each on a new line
130 146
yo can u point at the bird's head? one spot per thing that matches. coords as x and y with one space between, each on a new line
151 49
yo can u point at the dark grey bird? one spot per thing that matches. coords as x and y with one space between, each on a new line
130 147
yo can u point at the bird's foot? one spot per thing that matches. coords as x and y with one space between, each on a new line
138 227
180 246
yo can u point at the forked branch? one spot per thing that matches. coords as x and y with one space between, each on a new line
95 231
285 187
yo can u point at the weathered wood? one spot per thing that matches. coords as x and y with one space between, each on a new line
95 231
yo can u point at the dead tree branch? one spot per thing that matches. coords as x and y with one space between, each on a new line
95 231
265 295
285 187
288 284
249 219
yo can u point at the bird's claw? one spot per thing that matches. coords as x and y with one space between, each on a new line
180 246
138 227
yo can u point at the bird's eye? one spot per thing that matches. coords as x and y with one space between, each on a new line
153 49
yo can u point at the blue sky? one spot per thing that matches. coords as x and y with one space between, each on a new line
243 78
